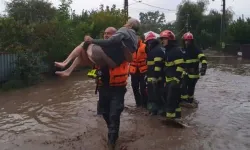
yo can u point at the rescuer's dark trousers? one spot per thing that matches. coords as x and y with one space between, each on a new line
172 100
191 83
111 106
188 89
155 97
139 89
98 106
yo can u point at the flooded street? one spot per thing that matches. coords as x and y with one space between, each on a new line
61 114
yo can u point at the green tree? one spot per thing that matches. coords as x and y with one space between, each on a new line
14 36
64 10
191 11
239 31
152 21
206 28
29 11
211 27
104 18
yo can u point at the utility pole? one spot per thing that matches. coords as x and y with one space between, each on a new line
187 23
223 29
126 9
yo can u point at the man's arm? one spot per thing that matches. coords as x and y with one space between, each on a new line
116 38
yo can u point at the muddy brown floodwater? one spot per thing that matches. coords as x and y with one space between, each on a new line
61 114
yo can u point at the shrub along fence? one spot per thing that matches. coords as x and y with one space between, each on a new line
8 65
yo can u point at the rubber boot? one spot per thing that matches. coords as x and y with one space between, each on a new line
111 146
112 141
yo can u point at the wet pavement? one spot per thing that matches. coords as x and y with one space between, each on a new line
61 114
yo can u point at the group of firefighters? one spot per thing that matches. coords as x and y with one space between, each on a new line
167 72
163 77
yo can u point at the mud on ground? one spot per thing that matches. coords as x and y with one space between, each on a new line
61 114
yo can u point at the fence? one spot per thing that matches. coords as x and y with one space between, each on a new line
245 49
7 66
234 48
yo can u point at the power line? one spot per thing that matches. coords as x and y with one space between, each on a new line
180 32
140 2
140 9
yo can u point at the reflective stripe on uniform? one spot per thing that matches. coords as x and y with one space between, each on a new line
157 59
178 109
172 79
151 79
170 115
204 62
179 69
201 55
150 62
184 97
169 64
189 61
157 68
175 62
193 76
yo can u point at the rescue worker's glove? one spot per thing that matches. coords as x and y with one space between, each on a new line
203 69
86 45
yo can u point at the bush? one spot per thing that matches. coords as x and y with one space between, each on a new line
27 71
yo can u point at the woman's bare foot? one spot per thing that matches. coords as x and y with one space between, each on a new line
60 64
62 73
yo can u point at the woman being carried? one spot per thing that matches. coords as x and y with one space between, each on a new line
110 52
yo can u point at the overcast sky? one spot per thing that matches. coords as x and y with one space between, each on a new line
238 6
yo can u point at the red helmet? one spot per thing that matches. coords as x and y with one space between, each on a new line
150 36
188 36
167 34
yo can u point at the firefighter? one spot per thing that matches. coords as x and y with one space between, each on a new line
112 90
137 70
194 57
155 74
111 84
174 70
93 73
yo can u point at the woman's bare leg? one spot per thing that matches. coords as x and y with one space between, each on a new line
75 53
68 71
80 60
